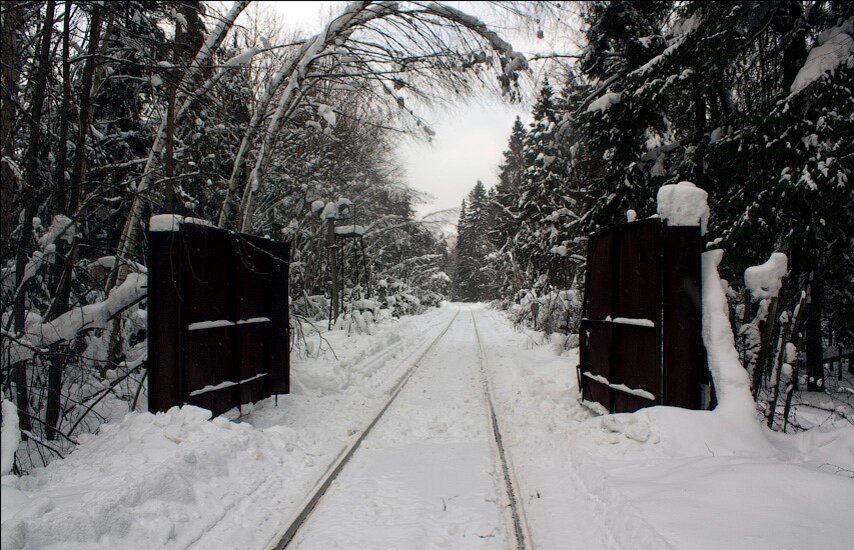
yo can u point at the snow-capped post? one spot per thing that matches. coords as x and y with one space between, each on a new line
333 265
11 436
329 212
764 282
684 204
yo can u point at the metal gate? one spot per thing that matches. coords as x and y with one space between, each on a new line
640 335
217 318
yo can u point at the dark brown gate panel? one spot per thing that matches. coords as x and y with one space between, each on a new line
636 356
218 321
600 282
595 342
640 335
684 353
164 304
208 291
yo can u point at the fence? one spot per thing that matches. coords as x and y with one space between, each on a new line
640 334
217 318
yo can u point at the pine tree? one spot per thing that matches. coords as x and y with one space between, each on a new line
510 177
475 275
545 204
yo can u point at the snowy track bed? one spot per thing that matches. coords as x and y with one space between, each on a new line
430 475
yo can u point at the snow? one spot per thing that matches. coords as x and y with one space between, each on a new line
426 476
683 204
328 114
10 436
605 102
202 325
732 385
242 58
349 230
835 47
635 322
165 222
598 378
628 321
253 320
330 211
61 227
317 207
511 60
621 387
766 280
172 222
653 479
227 384
682 30
426 472
634 391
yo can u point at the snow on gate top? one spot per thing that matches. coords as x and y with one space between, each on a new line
683 204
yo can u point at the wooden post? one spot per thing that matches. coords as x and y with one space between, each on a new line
333 268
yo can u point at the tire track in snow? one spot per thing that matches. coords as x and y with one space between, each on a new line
283 538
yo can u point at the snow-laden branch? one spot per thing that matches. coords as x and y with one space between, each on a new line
39 334
405 36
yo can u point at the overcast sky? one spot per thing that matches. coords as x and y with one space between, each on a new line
470 137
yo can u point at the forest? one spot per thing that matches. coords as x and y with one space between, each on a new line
115 112
750 101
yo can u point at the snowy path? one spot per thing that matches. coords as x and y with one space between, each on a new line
427 476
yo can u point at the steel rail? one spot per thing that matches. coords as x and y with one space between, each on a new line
517 518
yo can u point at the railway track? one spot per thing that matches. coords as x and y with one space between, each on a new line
514 514
513 506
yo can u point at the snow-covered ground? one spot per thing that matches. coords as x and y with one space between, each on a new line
662 477
427 475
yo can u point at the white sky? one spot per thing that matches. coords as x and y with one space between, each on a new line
469 137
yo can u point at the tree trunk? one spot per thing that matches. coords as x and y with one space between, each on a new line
765 347
60 182
29 204
60 271
777 372
78 176
795 51
333 268
813 337
84 118
12 20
